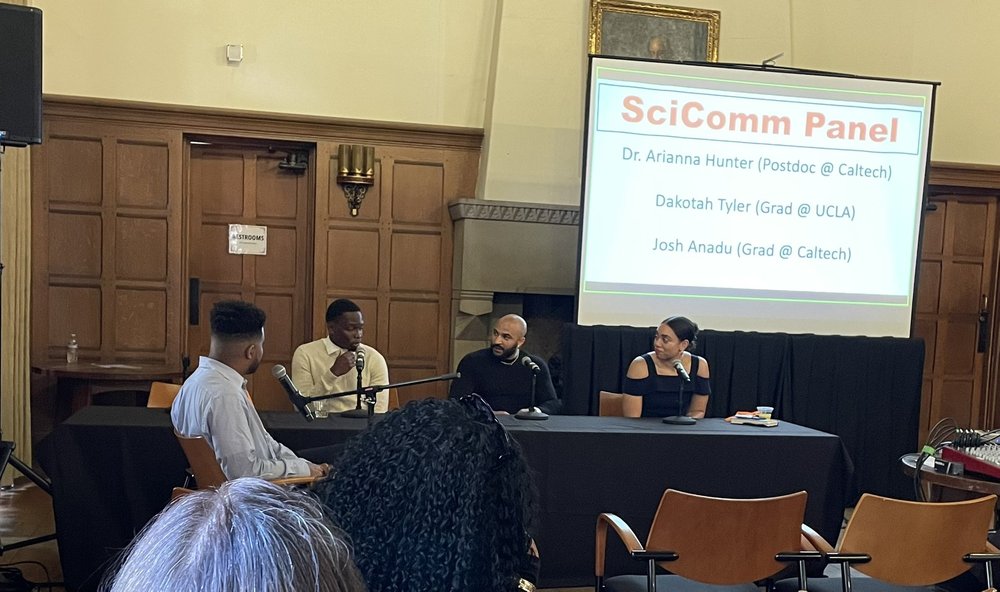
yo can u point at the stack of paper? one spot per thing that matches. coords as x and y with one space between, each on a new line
751 418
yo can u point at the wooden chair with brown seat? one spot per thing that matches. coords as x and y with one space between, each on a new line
610 404
898 543
206 469
162 395
708 540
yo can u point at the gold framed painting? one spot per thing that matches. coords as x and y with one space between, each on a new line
627 29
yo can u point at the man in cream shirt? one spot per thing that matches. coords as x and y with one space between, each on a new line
328 365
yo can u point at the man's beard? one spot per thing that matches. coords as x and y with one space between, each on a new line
506 353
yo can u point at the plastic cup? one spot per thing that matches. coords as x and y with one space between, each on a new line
764 412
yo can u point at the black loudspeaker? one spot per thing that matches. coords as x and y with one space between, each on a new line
20 75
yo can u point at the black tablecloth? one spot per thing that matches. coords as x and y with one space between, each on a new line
113 468
864 389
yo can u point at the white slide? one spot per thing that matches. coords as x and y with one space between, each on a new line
751 199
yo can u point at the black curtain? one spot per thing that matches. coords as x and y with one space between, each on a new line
864 389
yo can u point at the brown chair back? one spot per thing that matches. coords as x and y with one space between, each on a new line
917 543
610 405
162 394
201 457
726 541
393 400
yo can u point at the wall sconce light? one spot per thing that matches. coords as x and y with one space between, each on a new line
355 172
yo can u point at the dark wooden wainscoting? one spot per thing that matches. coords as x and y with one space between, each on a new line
957 296
130 202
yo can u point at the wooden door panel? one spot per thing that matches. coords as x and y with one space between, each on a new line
142 169
77 176
417 189
958 347
142 321
273 188
75 239
415 263
217 182
240 182
141 248
280 340
408 341
352 257
963 287
929 287
970 221
957 270
278 269
933 235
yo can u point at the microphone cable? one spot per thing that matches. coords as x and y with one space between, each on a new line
941 434
946 432
968 438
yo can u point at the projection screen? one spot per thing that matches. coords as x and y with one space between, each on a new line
751 199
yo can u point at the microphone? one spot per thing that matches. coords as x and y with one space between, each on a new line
359 358
527 363
679 366
294 395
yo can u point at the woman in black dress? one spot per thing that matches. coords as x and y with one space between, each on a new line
653 382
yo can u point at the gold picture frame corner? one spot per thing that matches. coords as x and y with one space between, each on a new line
711 19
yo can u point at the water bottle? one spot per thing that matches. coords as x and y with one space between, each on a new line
72 350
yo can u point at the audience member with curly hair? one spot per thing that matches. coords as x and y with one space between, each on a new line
247 535
437 496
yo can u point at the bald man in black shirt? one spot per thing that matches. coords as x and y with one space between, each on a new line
499 375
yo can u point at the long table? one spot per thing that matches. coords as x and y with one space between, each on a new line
864 389
113 468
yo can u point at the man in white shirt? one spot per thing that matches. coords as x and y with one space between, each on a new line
328 365
214 403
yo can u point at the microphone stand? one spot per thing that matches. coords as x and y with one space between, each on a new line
357 412
532 412
369 393
680 418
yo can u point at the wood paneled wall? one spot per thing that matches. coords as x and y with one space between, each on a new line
111 226
956 306
394 259
107 227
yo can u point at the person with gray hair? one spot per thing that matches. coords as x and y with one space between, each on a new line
248 534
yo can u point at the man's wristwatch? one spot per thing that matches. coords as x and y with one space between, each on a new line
524 585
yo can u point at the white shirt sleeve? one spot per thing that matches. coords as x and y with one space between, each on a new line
232 427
